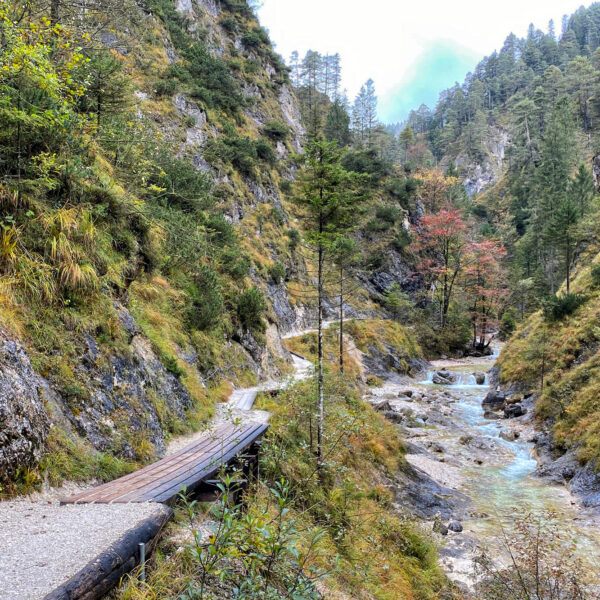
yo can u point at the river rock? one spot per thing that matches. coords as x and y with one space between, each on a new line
439 527
489 414
382 406
408 393
514 399
479 377
509 436
444 377
494 400
514 410
393 416
455 526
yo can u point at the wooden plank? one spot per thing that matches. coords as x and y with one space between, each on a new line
170 493
154 468
151 476
174 470
189 477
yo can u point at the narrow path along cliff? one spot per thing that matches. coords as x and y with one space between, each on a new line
44 544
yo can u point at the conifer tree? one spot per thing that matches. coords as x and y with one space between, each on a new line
328 193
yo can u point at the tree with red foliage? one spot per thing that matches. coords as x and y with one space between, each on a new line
443 242
484 285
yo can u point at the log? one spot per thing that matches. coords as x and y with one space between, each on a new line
103 573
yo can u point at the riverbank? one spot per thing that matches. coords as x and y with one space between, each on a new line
489 462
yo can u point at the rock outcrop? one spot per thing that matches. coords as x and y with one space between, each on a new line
24 423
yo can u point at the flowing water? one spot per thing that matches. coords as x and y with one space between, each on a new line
504 487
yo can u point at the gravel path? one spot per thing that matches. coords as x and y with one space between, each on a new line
42 545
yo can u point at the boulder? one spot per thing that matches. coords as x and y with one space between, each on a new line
494 400
407 393
455 526
479 377
393 416
488 414
514 410
439 527
514 399
509 436
382 406
444 377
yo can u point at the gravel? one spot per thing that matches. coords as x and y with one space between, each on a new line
42 545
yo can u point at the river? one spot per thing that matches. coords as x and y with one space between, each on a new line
450 440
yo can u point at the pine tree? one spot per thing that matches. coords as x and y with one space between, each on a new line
582 190
337 125
407 139
327 193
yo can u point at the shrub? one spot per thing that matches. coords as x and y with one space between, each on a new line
276 130
285 186
402 239
264 151
557 308
255 38
251 306
229 24
388 214
595 271
277 272
508 323
214 84
207 302
294 236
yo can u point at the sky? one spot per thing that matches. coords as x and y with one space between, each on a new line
412 49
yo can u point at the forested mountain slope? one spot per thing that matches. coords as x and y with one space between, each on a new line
522 132
152 251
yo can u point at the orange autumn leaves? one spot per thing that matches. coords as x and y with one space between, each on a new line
455 262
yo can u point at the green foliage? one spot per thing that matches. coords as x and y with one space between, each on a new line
264 550
366 162
264 151
211 81
277 272
250 308
276 130
206 299
595 273
557 308
399 304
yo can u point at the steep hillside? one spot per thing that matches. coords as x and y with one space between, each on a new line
150 250
142 227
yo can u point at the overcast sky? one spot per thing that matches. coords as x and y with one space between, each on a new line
412 49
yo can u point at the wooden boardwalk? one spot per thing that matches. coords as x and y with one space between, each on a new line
162 481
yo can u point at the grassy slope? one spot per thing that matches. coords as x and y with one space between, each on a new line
571 351
367 546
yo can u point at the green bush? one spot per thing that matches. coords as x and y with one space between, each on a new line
388 214
229 24
402 239
212 82
251 306
206 300
557 308
276 130
508 323
264 151
255 38
294 240
595 272
277 272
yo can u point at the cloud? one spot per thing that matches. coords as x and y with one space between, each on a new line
440 65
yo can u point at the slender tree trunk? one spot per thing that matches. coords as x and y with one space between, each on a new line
54 7
320 353
341 319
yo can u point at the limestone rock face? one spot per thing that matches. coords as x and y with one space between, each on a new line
24 423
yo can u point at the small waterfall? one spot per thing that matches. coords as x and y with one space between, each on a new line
461 381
